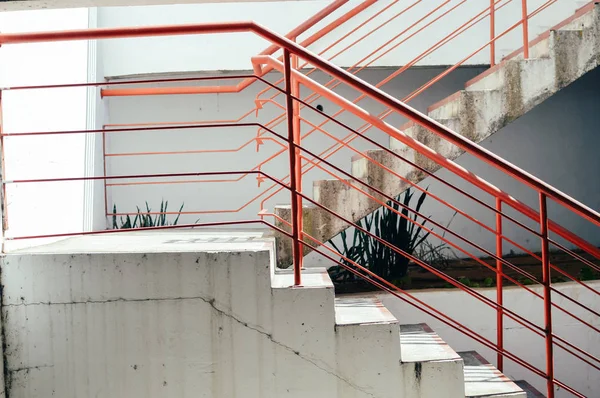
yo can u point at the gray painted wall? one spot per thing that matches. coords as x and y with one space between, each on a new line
233 195
557 141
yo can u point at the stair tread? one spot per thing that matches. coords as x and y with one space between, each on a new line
315 278
530 390
421 344
482 379
362 310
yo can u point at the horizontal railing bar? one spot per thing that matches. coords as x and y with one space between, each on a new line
397 292
116 83
517 318
452 244
573 254
422 169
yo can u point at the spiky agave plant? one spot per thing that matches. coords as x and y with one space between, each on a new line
393 227
144 219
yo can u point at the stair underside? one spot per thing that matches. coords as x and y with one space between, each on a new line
489 102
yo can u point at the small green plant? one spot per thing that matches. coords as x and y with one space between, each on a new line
368 252
525 281
465 281
145 219
468 282
439 256
391 224
488 282
588 274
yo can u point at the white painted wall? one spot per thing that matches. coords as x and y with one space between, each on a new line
233 195
482 319
233 51
51 208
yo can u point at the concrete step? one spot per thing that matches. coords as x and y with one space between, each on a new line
387 178
429 365
482 379
529 389
428 138
491 101
367 348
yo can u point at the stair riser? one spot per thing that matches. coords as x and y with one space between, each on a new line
430 379
369 356
304 331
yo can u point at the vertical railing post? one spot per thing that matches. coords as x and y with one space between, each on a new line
546 281
525 29
499 290
296 213
104 168
492 32
3 200
297 139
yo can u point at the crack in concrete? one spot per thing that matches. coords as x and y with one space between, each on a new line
210 302
28 368
257 329
114 300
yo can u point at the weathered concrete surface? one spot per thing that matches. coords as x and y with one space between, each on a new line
428 363
488 103
518 339
186 314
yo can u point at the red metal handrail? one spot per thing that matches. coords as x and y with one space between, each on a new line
454 138
294 147
311 98
292 35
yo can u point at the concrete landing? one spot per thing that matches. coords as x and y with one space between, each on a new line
155 241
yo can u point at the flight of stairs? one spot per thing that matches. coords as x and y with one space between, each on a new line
174 313
383 358
489 102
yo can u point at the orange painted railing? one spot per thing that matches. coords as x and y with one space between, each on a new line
332 83
297 153
328 152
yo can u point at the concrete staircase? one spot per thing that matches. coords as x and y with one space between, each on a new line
382 358
188 314
489 102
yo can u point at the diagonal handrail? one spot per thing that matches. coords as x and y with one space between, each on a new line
545 190
451 136
293 34
363 87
